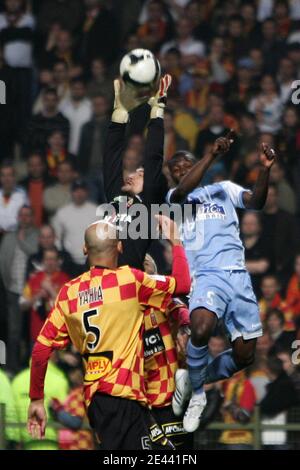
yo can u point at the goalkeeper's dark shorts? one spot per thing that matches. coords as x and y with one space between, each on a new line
172 428
119 424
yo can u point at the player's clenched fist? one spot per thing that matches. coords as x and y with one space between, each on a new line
267 156
223 144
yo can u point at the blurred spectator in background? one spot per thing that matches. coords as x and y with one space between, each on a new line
270 295
47 242
291 369
242 86
286 75
282 18
35 184
51 10
173 141
49 120
12 435
286 195
170 63
59 194
275 326
248 133
197 14
196 98
15 249
246 170
100 83
238 406
61 79
71 221
271 45
238 42
158 26
16 38
280 229
191 50
41 289
258 376
258 254
280 396
56 386
100 33
215 129
8 111
263 346
216 345
90 155
288 142
62 49
56 152
78 110
220 64
71 413
267 105
293 291
12 198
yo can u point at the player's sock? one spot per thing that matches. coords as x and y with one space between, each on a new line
221 367
197 358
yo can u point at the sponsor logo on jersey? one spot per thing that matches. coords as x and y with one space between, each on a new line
156 433
97 366
153 342
210 210
173 429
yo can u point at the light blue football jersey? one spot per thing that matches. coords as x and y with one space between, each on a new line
211 235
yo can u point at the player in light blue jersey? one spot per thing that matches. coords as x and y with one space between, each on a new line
222 286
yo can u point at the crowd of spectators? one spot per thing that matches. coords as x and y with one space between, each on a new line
233 66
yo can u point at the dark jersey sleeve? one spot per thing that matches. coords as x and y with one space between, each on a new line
113 160
155 183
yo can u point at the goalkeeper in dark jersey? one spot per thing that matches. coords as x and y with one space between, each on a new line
146 185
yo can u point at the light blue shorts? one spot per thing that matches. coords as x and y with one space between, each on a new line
229 294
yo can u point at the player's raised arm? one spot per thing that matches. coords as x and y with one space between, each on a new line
114 147
54 335
125 101
194 177
257 198
155 183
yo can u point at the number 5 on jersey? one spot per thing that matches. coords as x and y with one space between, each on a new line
92 331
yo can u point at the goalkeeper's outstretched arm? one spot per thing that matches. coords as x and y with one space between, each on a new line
155 183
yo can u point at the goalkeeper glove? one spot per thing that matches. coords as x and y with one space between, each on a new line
126 100
159 101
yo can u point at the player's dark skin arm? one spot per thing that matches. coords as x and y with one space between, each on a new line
194 177
257 198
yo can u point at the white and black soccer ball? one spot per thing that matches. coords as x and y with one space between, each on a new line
140 68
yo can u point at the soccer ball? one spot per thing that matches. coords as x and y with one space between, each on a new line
140 68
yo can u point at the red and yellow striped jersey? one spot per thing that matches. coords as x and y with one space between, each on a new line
102 313
160 355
